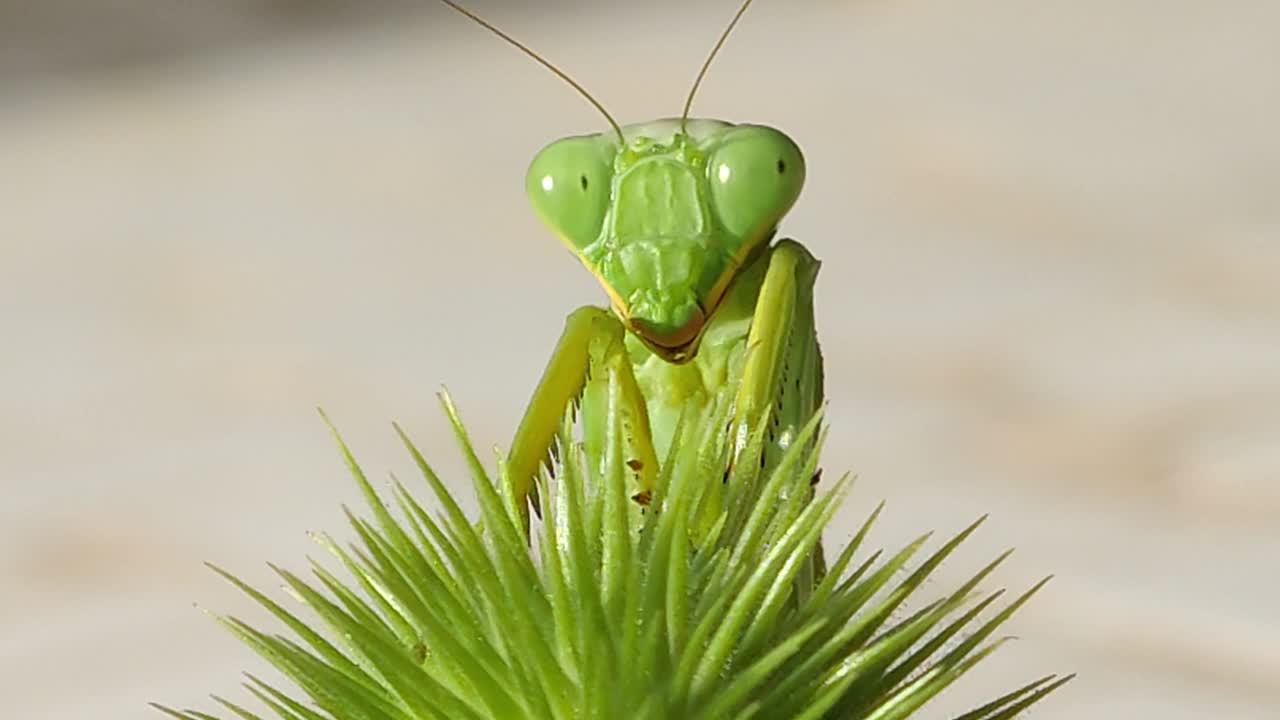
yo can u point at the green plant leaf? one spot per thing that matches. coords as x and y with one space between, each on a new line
706 604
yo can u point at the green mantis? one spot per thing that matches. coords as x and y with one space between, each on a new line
677 218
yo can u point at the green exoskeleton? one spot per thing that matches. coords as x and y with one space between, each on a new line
677 218
677 221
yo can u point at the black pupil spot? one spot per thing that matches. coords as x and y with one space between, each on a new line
584 182
782 166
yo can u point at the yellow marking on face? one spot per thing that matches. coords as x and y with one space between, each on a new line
731 270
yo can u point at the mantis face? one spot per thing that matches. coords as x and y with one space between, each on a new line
666 217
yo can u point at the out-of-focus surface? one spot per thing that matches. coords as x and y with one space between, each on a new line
1051 292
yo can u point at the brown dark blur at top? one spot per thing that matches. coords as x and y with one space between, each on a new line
50 39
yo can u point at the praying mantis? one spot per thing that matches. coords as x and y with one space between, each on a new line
678 220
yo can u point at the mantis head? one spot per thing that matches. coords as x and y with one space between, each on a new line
665 214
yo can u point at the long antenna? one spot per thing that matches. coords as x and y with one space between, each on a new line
697 82
543 61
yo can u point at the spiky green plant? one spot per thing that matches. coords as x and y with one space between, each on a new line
689 609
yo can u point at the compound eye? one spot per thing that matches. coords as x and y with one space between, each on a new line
756 175
569 185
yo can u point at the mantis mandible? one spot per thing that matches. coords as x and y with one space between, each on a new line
677 218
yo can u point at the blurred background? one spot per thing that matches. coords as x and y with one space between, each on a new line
1051 292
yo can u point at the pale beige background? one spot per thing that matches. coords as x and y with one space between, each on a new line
1051 232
